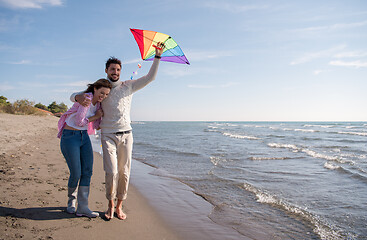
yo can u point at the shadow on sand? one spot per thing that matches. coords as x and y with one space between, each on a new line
37 213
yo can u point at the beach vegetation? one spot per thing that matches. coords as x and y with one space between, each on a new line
41 106
27 107
57 108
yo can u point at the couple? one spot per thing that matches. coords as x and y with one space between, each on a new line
93 110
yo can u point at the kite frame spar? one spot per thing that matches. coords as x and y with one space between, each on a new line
145 40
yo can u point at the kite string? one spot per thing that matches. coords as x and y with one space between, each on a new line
136 71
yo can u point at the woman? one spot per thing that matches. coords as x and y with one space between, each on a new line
74 127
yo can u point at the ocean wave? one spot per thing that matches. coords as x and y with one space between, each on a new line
351 127
319 226
217 160
355 155
354 133
280 145
309 152
319 155
322 126
350 141
268 158
300 130
275 136
331 166
231 135
211 130
305 130
360 176
137 122
311 138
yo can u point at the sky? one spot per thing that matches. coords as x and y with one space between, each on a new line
275 60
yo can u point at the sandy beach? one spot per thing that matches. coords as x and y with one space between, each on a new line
33 176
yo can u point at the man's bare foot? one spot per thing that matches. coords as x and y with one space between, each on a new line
110 212
120 214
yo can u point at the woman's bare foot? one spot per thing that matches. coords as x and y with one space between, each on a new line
111 209
119 213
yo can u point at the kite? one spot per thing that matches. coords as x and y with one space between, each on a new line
148 40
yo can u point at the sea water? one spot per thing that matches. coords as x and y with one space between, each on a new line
285 180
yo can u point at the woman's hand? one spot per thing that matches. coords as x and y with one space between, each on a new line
99 113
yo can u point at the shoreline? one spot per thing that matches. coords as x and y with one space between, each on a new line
183 210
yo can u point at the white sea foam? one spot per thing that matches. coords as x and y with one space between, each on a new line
331 166
300 130
337 150
305 130
309 152
319 155
137 122
240 136
355 133
320 228
279 145
267 158
217 160
231 125
322 126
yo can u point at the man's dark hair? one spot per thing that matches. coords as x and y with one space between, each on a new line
112 60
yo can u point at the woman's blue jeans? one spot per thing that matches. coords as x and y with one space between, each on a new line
77 150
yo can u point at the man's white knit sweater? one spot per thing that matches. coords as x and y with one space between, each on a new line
116 107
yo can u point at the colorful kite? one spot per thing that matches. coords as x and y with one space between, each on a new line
148 40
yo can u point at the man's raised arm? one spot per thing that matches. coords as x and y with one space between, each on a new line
143 81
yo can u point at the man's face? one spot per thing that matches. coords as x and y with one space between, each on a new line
113 72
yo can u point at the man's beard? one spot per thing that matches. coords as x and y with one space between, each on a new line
112 80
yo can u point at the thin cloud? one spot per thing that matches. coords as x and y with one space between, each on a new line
55 76
354 54
63 91
200 86
354 64
205 55
177 72
336 26
75 84
22 62
307 57
136 60
319 71
33 4
226 85
181 70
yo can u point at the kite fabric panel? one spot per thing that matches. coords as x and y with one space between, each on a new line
147 40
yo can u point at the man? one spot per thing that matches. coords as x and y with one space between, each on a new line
116 131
